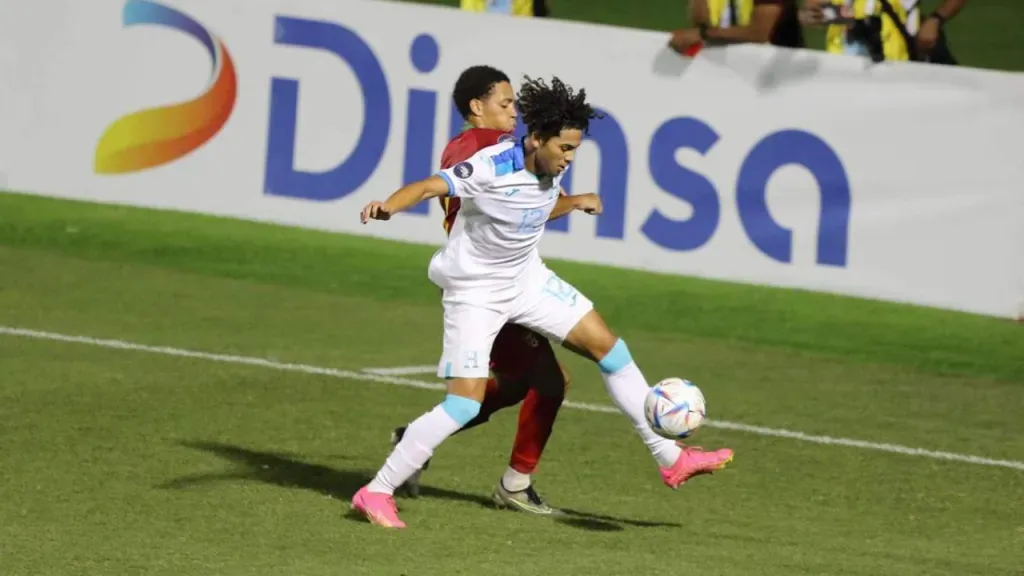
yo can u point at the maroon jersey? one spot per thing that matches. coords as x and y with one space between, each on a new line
461 148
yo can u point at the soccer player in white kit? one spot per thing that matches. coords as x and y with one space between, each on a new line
491 273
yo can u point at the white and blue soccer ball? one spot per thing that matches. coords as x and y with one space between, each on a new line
674 408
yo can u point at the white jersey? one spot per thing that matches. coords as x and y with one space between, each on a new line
504 209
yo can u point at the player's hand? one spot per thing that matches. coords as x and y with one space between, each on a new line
589 203
683 40
375 211
811 15
928 35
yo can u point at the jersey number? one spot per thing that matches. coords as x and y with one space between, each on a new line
533 218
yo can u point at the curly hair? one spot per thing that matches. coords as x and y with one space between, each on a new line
475 83
547 110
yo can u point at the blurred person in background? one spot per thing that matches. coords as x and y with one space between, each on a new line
860 27
773 22
529 8
883 29
931 37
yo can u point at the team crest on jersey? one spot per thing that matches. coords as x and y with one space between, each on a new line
463 170
506 138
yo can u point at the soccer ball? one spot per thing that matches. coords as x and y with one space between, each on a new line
674 408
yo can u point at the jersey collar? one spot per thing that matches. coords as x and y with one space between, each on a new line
518 149
519 154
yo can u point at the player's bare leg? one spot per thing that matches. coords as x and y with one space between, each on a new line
628 388
537 415
462 403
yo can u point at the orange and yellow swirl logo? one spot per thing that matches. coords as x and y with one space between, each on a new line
156 136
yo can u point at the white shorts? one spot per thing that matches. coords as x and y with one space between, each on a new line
547 304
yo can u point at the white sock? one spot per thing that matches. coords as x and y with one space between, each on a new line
628 390
514 480
417 446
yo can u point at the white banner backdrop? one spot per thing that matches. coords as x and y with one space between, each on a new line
791 168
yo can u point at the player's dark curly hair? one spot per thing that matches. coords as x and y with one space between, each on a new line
475 83
547 110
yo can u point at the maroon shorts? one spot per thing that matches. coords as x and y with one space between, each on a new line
516 350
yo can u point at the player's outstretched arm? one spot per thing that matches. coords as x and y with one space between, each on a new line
406 197
589 203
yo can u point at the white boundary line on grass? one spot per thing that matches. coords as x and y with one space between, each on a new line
402 370
378 375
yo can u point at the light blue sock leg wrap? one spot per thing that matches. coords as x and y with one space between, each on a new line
461 409
617 359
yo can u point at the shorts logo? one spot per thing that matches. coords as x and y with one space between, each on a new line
463 170
471 360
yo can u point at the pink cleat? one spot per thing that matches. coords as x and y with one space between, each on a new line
694 462
378 508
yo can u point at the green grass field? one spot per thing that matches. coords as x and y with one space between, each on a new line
128 461
986 34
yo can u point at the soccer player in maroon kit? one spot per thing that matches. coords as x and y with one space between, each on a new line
523 362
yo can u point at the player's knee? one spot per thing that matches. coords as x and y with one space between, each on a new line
616 359
591 337
460 408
